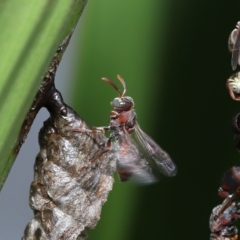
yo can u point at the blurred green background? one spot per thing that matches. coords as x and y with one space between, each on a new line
174 58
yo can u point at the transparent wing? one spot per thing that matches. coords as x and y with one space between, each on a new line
162 160
130 162
234 46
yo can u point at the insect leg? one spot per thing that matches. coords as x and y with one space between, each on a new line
101 152
93 130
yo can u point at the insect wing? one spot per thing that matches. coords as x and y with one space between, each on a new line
130 162
163 161
234 46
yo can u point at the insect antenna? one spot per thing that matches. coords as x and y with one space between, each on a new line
123 84
113 85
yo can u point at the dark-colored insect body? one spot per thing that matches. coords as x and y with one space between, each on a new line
230 183
130 161
234 46
224 216
222 223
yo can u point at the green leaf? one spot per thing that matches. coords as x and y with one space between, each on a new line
30 34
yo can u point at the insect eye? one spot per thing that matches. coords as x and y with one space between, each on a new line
234 88
122 104
118 103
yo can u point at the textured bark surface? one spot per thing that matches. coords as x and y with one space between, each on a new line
69 189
